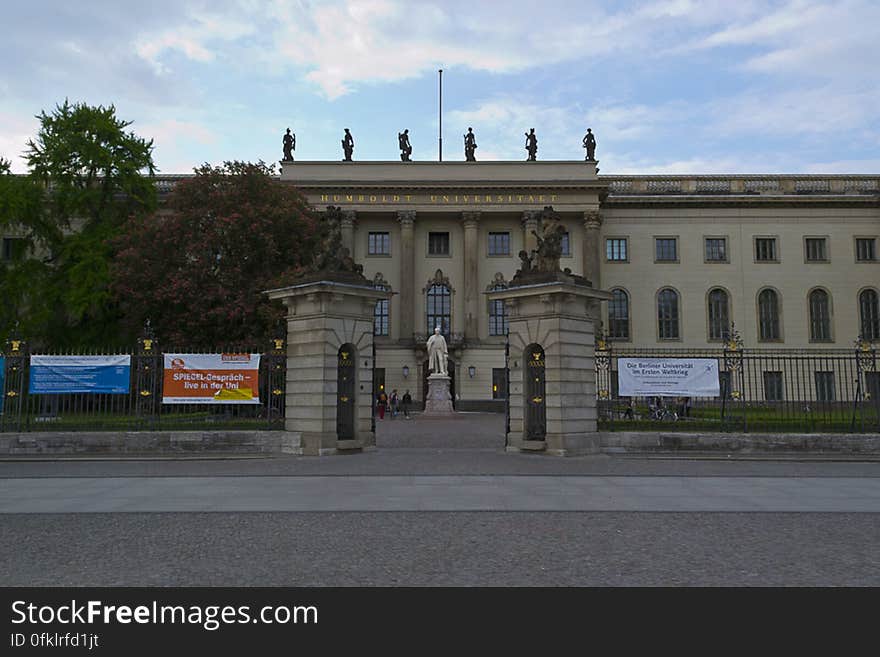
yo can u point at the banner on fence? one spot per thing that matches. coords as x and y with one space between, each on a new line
61 375
211 379
668 377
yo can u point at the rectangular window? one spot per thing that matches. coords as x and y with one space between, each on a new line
816 250
765 249
438 244
825 386
12 249
379 244
499 244
665 249
566 244
380 318
866 249
716 249
615 249
773 386
499 383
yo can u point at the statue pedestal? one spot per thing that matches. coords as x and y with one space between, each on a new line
438 401
552 394
329 397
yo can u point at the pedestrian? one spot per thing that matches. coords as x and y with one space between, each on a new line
395 403
405 402
381 403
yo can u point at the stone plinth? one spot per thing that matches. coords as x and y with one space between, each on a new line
558 317
324 316
439 399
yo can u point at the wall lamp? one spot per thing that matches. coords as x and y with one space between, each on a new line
472 371
405 371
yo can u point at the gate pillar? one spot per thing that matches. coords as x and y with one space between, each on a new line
329 392
552 367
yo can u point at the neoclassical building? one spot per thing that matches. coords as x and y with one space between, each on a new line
792 260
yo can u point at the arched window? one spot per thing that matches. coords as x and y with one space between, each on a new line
381 322
719 313
498 322
438 299
869 310
768 315
667 314
820 316
618 315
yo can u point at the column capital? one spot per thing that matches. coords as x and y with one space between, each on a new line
592 220
470 218
406 217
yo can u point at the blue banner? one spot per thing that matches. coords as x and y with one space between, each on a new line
2 381
90 374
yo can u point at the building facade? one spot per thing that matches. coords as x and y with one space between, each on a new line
792 261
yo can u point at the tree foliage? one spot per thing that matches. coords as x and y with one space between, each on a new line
198 268
87 175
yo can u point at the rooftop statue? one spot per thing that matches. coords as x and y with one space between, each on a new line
590 145
470 145
347 146
289 145
405 146
532 145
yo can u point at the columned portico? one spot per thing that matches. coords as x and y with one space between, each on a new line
592 247
406 219
347 227
530 227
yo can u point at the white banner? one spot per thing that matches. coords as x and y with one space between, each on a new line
668 377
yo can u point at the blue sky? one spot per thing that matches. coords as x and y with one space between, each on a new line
668 86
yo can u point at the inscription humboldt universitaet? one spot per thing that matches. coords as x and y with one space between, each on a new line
438 199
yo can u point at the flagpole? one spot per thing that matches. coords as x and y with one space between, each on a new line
440 113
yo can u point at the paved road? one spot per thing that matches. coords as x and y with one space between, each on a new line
404 515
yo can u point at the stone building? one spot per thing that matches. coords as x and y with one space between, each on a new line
792 260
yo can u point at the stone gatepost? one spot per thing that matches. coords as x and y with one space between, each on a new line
552 366
330 364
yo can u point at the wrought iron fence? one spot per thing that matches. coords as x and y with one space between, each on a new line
760 390
140 407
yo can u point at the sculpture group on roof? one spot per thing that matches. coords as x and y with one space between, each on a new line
470 146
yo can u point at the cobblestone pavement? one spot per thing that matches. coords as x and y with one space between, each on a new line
446 548
336 549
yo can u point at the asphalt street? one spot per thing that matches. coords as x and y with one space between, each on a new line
440 502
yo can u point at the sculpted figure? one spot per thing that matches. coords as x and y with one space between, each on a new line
470 145
590 145
289 145
532 145
405 147
348 145
437 353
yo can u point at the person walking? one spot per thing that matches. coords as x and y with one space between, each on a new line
381 403
405 402
395 402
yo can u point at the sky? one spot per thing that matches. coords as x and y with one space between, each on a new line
667 86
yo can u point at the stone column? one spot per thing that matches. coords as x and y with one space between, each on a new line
347 228
592 246
472 296
407 299
530 220
559 317
323 317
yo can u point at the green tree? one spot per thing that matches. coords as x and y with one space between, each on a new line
87 176
197 269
